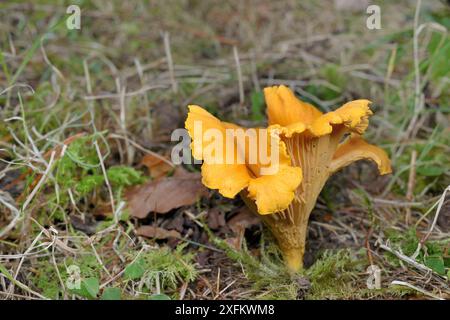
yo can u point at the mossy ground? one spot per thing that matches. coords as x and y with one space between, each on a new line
112 85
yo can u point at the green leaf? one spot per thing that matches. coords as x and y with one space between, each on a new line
5 272
447 262
431 171
159 297
135 270
89 288
111 294
438 60
436 263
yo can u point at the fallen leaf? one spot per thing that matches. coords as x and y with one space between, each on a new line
157 233
202 257
241 221
166 194
216 219
176 223
181 172
158 166
102 209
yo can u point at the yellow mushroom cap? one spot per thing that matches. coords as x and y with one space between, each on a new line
271 192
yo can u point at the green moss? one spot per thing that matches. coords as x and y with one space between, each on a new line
164 268
267 274
45 278
123 176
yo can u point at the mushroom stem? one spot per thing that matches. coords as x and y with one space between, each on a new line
290 229
293 258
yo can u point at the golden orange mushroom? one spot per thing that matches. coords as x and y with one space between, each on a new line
309 150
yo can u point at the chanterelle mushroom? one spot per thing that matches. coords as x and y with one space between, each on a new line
308 151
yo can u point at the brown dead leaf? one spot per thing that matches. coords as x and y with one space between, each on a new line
181 172
158 166
166 194
241 221
216 219
102 209
176 223
157 233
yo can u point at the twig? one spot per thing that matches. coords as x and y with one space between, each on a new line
13 283
183 290
41 181
98 258
51 65
14 210
405 258
193 218
127 95
218 284
108 185
411 184
228 285
406 284
121 89
170 62
418 96
438 210
367 244
22 286
123 270
396 203
239 76
138 146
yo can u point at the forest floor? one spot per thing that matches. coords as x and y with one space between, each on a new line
86 118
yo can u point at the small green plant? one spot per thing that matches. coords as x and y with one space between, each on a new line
434 254
111 294
89 272
89 288
79 169
162 269
52 282
79 178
